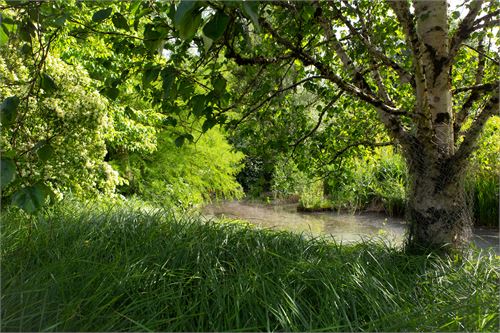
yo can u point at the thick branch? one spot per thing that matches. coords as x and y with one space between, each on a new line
407 21
328 74
477 92
471 136
464 29
486 87
258 60
487 17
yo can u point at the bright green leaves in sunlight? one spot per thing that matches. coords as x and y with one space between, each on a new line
4 38
214 29
31 198
8 171
8 110
101 15
187 19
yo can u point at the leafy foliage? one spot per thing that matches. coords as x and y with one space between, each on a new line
55 138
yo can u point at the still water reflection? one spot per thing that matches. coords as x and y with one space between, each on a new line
343 227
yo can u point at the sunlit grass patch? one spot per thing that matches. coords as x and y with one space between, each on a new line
87 269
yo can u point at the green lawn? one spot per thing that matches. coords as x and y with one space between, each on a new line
78 268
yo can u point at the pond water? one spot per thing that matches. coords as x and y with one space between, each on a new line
342 226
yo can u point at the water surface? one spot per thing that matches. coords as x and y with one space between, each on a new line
341 226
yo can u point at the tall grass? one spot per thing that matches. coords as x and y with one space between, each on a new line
484 190
80 268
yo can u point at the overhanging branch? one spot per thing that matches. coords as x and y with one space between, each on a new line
318 123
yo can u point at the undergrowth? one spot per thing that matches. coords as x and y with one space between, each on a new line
82 268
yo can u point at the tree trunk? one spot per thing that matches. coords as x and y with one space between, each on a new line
438 211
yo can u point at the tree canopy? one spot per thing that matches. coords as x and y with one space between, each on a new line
418 74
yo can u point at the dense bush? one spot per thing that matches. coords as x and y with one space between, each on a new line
194 173
57 136
376 181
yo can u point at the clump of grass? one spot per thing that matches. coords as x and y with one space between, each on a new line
80 268
485 199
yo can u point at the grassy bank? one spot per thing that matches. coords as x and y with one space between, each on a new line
86 269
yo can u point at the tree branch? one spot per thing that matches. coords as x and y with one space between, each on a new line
328 74
487 17
407 21
464 29
486 87
318 123
363 37
470 137
259 60
357 144
482 53
274 94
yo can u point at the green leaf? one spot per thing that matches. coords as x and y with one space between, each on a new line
214 29
8 172
180 141
150 75
187 19
168 77
120 22
219 85
250 9
111 92
45 152
31 198
4 38
8 110
198 104
101 15
59 22
186 88
26 49
170 121
183 12
208 124
189 28
47 83
207 43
